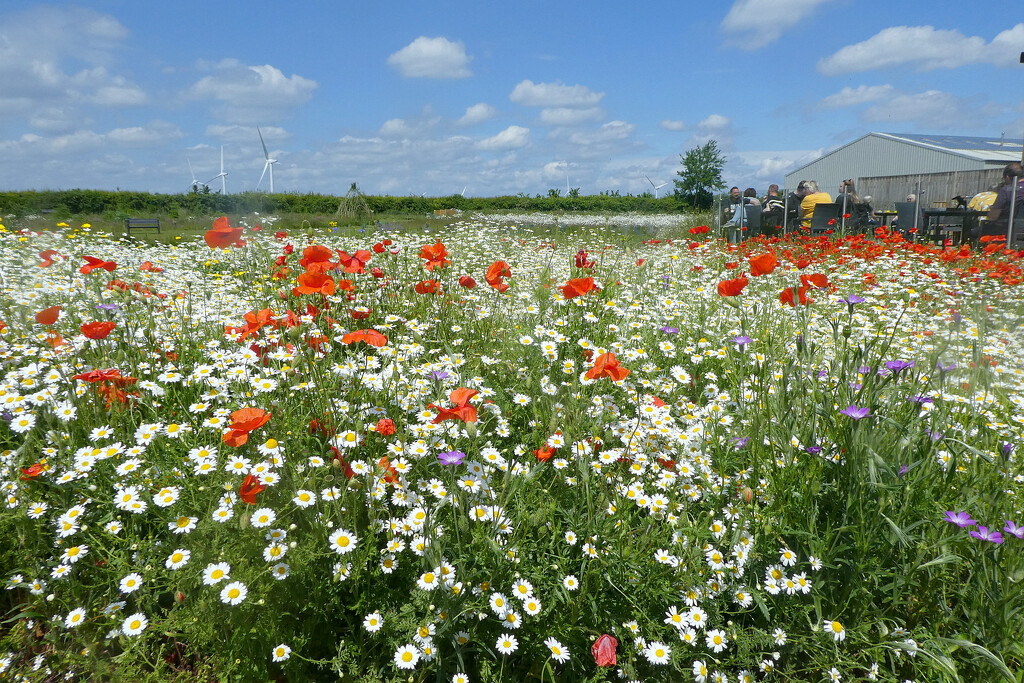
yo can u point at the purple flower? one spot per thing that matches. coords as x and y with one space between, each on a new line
920 399
983 534
108 307
742 340
669 330
935 436
961 519
853 299
903 470
439 374
814 450
1007 449
864 369
898 366
943 369
741 441
451 457
855 413
1014 530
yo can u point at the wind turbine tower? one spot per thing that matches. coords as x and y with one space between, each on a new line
222 175
269 164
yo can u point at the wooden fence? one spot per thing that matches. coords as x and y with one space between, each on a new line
937 189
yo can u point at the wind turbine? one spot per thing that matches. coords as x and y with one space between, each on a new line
270 164
463 193
222 175
656 187
195 182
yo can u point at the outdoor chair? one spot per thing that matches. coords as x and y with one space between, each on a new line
905 217
826 217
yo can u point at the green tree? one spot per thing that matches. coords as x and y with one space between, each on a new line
701 175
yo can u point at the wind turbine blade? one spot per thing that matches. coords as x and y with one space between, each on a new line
222 159
193 173
261 176
649 180
266 154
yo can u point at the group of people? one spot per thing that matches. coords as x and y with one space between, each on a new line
771 214
746 215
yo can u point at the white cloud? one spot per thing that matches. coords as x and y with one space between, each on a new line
752 24
247 134
567 116
848 97
926 48
669 124
715 123
432 58
551 95
251 94
513 137
41 67
478 113
933 110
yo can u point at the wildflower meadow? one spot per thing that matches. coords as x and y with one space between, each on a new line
509 453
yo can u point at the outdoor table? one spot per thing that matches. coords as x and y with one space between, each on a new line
885 217
933 221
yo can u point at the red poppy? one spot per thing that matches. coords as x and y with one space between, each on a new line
763 264
467 281
47 257
317 259
378 248
581 260
249 488
732 287
496 274
280 234
242 422
377 273
92 263
150 268
732 265
360 314
391 474
461 409
98 375
816 281
98 329
699 230
428 287
791 295
32 471
578 287
371 337
436 255
222 235
385 426
544 453
354 263
607 365
312 282
603 650
48 316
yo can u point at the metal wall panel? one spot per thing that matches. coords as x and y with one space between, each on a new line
874 156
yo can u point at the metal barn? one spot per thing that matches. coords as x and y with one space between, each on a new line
889 166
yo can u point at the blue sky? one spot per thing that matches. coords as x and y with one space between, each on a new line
431 98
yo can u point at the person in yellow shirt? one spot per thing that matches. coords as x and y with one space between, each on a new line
812 196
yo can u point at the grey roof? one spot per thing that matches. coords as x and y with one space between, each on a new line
1001 150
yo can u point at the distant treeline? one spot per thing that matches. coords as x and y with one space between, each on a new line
67 203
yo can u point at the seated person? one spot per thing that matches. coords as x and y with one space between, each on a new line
729 207
999 213
812 197
773 211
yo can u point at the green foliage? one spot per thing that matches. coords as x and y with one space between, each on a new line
700 175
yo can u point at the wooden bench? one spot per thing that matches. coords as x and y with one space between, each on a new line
141 223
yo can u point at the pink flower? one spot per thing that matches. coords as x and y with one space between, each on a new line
603 650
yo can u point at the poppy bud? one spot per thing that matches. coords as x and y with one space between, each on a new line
179 597
746 494
603 650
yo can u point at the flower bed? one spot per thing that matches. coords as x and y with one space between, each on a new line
493 457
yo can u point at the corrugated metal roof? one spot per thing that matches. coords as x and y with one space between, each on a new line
1003 150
